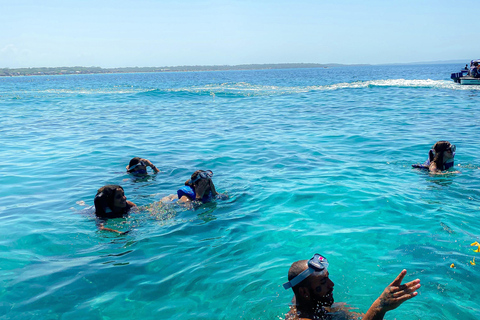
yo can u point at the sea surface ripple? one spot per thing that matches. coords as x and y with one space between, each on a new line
313 160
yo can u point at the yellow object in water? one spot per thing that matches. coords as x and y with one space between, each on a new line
475 244
478 250
473 262
452 266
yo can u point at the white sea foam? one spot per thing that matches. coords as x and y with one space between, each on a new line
250 89
400 83
247 89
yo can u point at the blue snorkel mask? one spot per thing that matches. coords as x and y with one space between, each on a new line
208 174
318 265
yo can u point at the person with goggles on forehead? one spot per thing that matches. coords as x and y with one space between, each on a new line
138 166
199 187
313 293
440 157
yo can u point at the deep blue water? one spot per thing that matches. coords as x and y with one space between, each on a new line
314 160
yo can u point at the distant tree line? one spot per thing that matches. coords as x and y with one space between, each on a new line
93 70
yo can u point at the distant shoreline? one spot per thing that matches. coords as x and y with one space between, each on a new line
12 72
43 71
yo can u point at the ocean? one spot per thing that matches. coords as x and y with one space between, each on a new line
313 161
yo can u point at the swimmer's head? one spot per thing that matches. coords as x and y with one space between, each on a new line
310 282
201 181
137 166
441 152
110 198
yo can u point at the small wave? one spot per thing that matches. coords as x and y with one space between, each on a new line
250 89
246 89
399 83
87 91
229 89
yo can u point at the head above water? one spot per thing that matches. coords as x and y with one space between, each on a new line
201 182
310 282
441 152
110 198
136 165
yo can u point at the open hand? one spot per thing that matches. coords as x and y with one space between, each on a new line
397 293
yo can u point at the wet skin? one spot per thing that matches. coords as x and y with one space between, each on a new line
119 200
321 290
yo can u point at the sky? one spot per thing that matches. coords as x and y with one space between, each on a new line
157 33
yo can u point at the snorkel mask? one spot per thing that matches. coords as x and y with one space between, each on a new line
318 265
139 171
208 174
452 147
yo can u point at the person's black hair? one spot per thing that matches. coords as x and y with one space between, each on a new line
202 185
104 199
295 269
439 148
134 161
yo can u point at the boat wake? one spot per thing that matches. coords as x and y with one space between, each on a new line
244 89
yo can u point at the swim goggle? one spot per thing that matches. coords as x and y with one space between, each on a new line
318 265
138 164
208 174
452 148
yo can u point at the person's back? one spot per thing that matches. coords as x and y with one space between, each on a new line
477 72
474 71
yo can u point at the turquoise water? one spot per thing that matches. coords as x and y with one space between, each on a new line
314 160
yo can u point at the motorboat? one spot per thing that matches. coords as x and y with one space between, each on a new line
465 77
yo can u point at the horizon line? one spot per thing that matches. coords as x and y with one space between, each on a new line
255 64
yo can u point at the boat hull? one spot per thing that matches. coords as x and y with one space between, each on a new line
469 81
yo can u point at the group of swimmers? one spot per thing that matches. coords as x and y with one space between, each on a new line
309 280
110 201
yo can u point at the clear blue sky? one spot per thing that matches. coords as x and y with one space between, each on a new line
148 33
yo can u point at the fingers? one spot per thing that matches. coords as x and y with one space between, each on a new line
406 297
406 290
399 278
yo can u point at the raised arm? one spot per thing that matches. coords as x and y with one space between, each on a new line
151 165
392 297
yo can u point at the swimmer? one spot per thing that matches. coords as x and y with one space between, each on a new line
110 202
199 187
440 158
138 166
313 293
